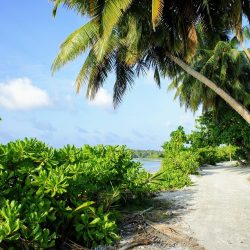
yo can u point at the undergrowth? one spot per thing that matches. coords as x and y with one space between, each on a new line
51 196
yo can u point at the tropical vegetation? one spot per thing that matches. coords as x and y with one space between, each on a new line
225 65
185 153
130 37
223 127
51 197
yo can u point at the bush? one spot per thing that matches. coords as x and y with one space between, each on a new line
178 162
207 155
177 167
212 155
50 196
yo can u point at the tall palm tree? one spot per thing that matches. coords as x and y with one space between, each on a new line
225 65
131 36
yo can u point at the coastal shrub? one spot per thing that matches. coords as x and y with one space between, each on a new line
207 155
177 167
178 161
51 196
227 152
224 127
212 155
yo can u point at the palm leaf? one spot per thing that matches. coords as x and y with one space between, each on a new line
237 19
83 75
98 75
56 5
157 11
105 45
192 41
157 77
112 12
132 41
124 79
76 43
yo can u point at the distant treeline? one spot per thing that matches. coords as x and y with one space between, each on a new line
147 153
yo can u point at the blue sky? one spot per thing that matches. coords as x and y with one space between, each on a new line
33 103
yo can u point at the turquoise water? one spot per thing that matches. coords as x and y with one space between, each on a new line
150 165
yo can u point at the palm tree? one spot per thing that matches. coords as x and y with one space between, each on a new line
225 65
130 37
245 35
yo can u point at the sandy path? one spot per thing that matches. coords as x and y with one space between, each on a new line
216 209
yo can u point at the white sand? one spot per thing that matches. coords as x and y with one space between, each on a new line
217 208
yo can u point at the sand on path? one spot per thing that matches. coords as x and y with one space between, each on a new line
216 209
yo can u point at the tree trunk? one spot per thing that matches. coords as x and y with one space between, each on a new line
245 50
226 97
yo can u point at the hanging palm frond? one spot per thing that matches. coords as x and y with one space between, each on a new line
157 11
192 41
124 79
112 13
157 77
77 43
99 73
84 73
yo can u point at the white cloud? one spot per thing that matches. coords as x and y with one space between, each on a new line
102 99
22 94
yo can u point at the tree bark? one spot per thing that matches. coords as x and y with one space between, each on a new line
225 96
245 50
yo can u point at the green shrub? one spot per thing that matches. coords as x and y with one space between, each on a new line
177 167
207 155
50 196
227 153
178 162
212 155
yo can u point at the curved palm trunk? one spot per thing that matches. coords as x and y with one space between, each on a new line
245 50
226 97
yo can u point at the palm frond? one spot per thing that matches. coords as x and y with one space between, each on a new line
84 73
99 73
192 41
124 79
237 19
112 12
157 11
89 7
56 5
206 5
157 77
76 43
131 42
105 45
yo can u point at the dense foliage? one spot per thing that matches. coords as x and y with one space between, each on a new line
223 64
50 196
178 162
184 154
223 127
152 154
